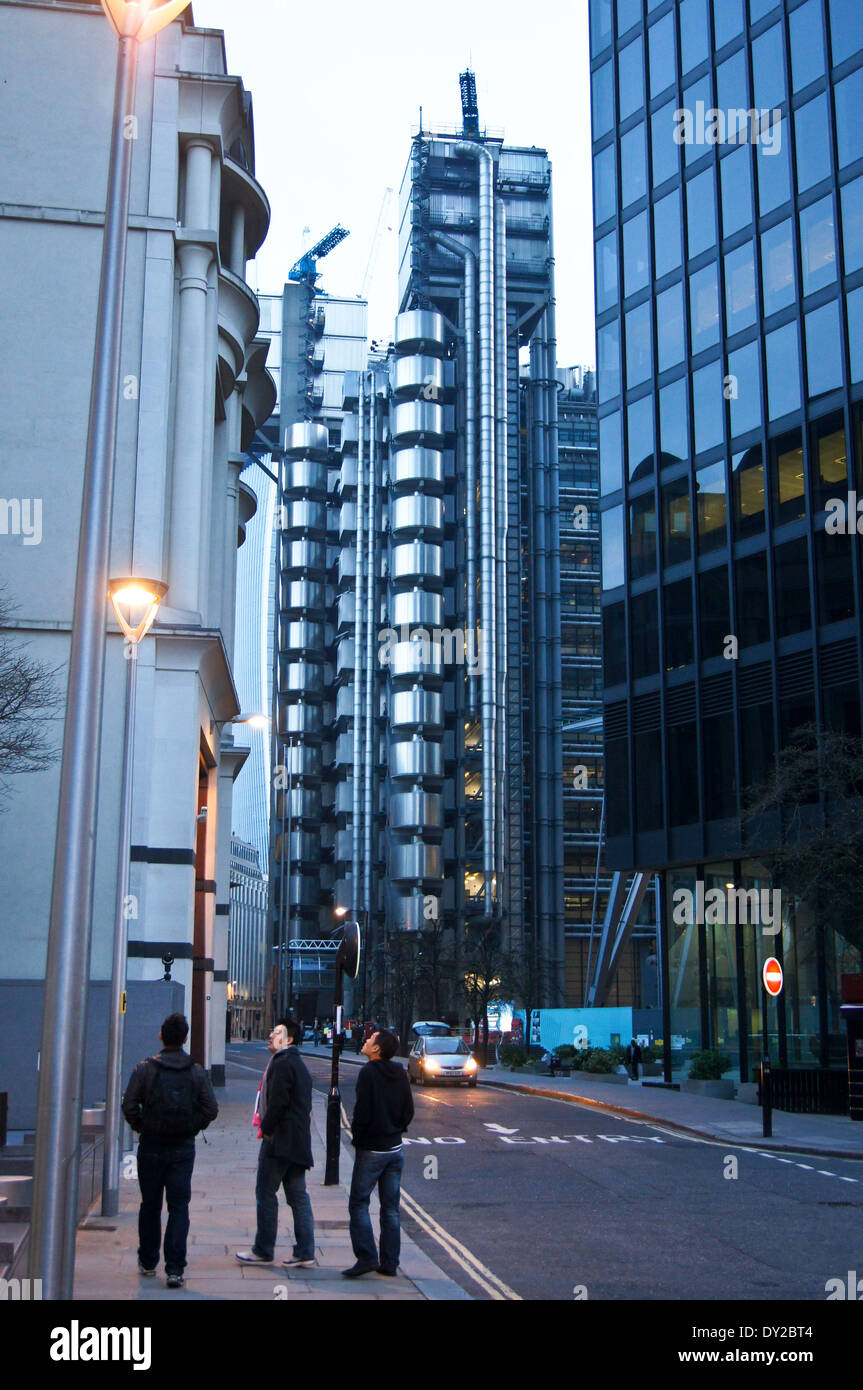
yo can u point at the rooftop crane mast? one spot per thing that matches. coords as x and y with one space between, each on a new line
304 270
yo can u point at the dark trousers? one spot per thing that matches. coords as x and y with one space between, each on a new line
164 1169
274 1173
385 1170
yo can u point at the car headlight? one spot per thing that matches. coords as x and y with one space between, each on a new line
431 1065
470 1064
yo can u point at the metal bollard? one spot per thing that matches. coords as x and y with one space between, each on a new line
766 1100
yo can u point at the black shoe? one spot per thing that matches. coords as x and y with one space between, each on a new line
385 1269
175 1281
356 1270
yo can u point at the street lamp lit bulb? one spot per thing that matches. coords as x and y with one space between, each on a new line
141 19
142 598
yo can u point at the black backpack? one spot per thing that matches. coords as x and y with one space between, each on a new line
170 1114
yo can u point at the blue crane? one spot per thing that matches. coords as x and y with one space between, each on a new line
304 269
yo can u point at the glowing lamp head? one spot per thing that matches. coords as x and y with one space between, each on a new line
136 603
141 19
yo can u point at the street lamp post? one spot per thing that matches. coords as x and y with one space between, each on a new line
347 963
61 1067
142 599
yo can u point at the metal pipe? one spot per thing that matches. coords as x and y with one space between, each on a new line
540 618
369 661
64 1013
117 1016
356 822
556 666
501 527
488 644
456 247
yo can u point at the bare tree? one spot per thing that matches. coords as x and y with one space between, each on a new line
27 695
485 981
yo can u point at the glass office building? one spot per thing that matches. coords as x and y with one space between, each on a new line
728 205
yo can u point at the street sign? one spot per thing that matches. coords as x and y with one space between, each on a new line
772 976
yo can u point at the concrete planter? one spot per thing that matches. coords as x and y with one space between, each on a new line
651 1068
612 1077
714 1090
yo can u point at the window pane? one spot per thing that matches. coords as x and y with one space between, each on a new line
701 211
793 613
603 101
835 577
830 460
846 28
740 305
628 13
771 161
813 143
614 643
600 25
638 355
852 225
783 371
606 273
744 366
608 350
630 78
704 308
612 548
682 768
666 154
633 166
673 422
679 634
824 349
610 453
642 537
855 333
734 172
753 600
720 768
639 425
669 314
789 484
647 750
732 92
644 635
662 55
747 478
849 127
696 98
777 268
818 245
714 611
604 185
807 45
768 69
636 268
694 40
667 238
708 404
676 522
727 21
712 506
759 8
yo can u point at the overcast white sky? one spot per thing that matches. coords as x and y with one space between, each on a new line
337 88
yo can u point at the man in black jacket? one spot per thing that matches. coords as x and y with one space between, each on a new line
168 1101
384 1108
286 1151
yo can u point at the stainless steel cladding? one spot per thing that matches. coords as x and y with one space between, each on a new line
299 637
410 913
415 863
417 514
415 422
417 468
300 556
417 607
304 596
416 758
301 719
419 376
421 330
347 520
303 845
305 475
299 804
417 660
415 709
346 610
306 438
418 561
421 811
305 518
301 678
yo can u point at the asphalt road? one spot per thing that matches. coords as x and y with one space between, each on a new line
558 1201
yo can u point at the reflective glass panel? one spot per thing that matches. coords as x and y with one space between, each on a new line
665 153
768 69
662 55
638 354
753 599
636 253
788 477
849 127
759 8
812 143
818 245
608 350
704 308
633 166
824 349
727 21
679 627
673 421
607 289
740 305
744 388
829 452
852 225
734 171
834 568
855 333
708 403
747 480
701 211
777 267
667 234
714 611
670 338
732 92
694 34
712 506
604 185
772 164
614 643
602 96
600 25
676 522
846 28
807 44
610 453
630 78
791 568
639 424
644 635
783 370
642 536
612 548
696 98
628 13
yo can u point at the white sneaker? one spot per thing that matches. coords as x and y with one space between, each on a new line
248 1257
294 1263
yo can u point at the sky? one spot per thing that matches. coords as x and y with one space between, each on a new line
336 90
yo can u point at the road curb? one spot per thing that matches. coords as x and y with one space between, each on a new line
768 1145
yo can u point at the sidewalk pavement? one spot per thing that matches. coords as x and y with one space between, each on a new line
222 1215
729 1121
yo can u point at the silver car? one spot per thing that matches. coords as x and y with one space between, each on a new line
441 1059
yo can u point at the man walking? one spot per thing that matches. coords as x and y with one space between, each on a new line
284 1119
384 1108
168 1101
633 1058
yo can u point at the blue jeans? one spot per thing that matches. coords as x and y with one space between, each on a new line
385 1170
164 1168
274 1173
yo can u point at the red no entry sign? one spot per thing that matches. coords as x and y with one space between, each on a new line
771 974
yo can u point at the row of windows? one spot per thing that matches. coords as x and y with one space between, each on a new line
764 593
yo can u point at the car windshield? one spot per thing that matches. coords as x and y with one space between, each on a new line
445 1045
